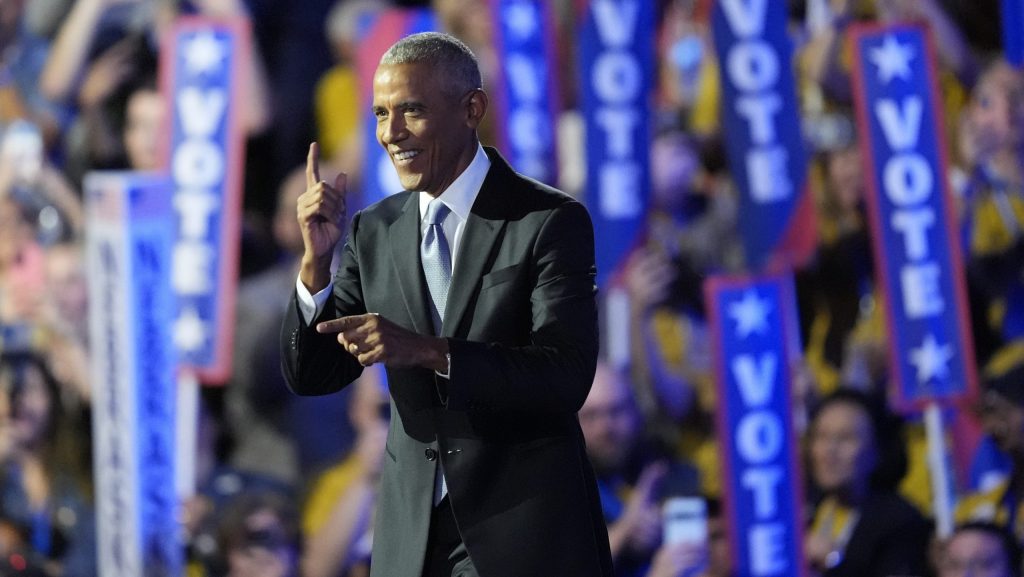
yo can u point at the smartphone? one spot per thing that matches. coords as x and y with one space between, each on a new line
22 149
685 520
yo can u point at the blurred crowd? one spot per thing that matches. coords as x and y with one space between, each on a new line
286 485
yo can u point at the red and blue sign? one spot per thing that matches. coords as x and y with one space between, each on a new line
380 179
754 327
616 49
761 116
202 79
919 266
528 88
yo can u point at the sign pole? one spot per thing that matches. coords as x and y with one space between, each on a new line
937 464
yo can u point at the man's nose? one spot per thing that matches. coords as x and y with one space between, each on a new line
392 129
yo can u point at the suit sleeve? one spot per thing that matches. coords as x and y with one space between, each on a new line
313 363
554 372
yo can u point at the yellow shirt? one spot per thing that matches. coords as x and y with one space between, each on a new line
990 506
337 109
327 491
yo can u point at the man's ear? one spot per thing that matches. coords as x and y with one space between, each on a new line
476 107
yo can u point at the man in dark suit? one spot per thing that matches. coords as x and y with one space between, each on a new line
475 288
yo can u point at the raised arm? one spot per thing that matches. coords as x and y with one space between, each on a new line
71 48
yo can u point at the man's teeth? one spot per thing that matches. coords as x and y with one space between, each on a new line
406 155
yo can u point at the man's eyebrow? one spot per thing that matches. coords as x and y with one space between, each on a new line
410 104
405 105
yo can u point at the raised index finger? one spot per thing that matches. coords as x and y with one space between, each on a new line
313 165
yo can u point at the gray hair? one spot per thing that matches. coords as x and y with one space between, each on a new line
449 55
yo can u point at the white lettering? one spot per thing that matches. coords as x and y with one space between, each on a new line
759 437
922 295
755 378
753 66
745 17
767 175
902 127
767 547
616 21
618 125
201 111
617 78
763 481
760 112
523 80
198 164
914 225
192 268
194 209
620 190
907 179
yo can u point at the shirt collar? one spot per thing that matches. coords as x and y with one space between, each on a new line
461 194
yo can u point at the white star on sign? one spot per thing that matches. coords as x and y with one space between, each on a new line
204 53
751 314
892 59
931 359
522 19
189 331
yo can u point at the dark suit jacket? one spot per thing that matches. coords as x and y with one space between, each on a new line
890 538
521 323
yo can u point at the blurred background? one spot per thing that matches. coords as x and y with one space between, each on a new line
286 485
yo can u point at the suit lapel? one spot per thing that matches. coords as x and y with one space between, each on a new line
405 240
483 228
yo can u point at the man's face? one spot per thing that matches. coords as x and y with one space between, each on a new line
609 422
974 554
428 133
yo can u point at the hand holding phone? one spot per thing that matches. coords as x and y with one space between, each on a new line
685 520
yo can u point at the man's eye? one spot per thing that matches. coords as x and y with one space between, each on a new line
380 113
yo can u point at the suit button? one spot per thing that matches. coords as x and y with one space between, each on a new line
431 454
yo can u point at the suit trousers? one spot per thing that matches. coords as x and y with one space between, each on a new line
446 553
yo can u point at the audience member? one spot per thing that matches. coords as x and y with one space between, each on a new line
685 559
259 536
633 478
980 550
690 233
993 218
1002 416
859 525
43 486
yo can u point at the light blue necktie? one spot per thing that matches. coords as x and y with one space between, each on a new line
437 268
437 260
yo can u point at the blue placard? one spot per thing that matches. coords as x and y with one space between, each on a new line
1012 18
528 103
616 50
131 234
754 326
761 116
201 70
921 274
151 238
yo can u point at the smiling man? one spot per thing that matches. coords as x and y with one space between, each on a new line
475 289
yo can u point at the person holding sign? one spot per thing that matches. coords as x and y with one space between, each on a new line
475 289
